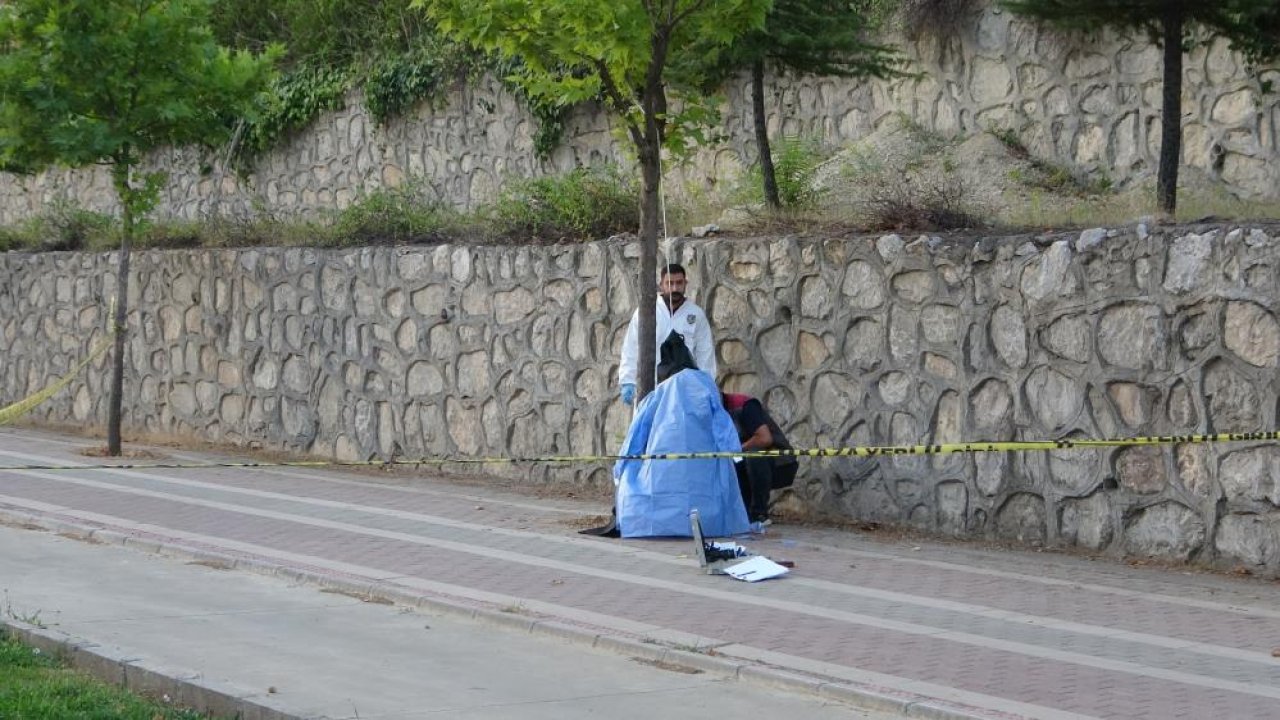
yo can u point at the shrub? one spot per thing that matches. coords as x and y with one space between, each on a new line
391 215
906 181
583 204
910 202
172 234
12 239
62 225
74 227
795 164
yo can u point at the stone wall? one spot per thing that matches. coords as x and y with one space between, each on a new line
405 352
1093 105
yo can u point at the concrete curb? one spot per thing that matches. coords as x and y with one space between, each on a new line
204 698
169 685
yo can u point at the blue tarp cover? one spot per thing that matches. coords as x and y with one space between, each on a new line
654 497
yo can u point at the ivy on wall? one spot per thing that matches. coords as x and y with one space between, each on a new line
395 84
391 52
387 50
291 103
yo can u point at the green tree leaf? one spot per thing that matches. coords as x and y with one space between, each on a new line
106 81
619 52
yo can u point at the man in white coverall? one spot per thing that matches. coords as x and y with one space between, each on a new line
674 312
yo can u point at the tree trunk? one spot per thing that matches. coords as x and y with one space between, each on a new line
762 136
121 181
653 104
651 185
650 155
1171 113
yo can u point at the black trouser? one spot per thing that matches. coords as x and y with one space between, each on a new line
755 482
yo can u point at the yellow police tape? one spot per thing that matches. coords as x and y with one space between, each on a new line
845 452
12 412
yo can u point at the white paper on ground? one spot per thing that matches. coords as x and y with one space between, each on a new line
755 569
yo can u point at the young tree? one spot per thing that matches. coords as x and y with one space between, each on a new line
86 82
1250 25
619 50
805 37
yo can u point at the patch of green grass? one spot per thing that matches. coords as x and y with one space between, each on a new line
584 204
263 231
1220 204
34 686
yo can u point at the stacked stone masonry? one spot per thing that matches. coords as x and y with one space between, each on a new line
1090 104
477 351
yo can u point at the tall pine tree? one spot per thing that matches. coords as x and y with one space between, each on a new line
1250 25
805 37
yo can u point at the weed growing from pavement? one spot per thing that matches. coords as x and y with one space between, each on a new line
695 648
365 597
668 666
30 618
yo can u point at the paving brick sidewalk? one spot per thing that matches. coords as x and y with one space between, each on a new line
958 630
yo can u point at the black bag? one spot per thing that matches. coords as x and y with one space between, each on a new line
674 356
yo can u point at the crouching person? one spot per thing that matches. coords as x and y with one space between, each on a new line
758 477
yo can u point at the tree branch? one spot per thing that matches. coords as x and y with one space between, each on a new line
677 19
619 101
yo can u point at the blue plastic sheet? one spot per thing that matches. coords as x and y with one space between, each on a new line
654 497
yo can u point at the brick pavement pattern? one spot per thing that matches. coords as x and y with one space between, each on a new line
996 633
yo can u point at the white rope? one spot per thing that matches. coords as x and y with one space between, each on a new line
662 205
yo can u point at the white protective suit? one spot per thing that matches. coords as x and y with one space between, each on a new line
689 321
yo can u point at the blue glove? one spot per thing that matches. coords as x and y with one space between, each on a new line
628 393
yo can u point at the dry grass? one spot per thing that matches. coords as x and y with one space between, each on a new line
1052 211
664 665
362 597
583 522
904 178
213 564
101 451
